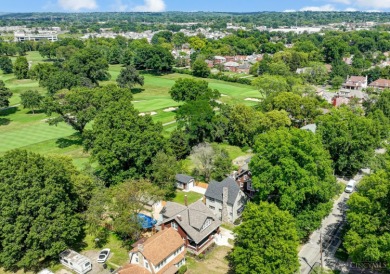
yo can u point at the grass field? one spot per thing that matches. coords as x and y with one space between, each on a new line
21 129
192 197
215 262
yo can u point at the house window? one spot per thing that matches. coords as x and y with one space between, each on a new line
220 210
241 184
212 207
136 259
174 225
211 199
206 224
146 265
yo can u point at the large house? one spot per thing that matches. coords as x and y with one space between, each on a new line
355 82
162 253
184 182
380 84
226 200
195 223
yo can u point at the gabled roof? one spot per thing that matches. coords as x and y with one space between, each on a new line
161 245
183 178
215 190
380 83
133 269
191 219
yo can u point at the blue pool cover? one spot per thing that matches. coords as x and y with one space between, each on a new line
146 221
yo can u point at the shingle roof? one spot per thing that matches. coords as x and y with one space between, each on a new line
381 83
161 245
133 269
183 178
215 190
191 219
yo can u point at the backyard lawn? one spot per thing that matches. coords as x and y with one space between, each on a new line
192 197
214 262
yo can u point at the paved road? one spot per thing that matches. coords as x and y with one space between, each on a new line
309 254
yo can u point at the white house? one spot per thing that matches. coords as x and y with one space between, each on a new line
226 199
161 253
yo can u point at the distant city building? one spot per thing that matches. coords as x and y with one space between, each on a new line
22 36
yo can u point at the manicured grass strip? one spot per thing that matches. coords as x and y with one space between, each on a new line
32 134
192 197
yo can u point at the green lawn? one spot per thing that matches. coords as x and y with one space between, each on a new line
214 262
192 197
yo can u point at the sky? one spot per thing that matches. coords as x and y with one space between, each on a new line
192 5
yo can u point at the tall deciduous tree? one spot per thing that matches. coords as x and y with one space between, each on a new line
350 139
5 95
129 77
266 242
293 170
21 67
31 99
187 89
200 68
39 216
368 235
268 84
6 64
123 142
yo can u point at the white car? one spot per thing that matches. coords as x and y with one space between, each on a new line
350 186
103 255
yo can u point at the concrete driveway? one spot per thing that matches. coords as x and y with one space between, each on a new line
96 267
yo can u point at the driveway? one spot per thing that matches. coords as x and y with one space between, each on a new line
223 237
96 267
328 234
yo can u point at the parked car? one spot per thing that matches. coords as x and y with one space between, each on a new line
350 186
103 255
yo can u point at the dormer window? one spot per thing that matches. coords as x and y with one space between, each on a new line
174 225
206 224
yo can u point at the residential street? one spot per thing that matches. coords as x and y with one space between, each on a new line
309 255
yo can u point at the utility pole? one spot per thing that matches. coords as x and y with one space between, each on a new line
322 262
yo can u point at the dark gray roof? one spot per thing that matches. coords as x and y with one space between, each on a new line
215 190
191 218
182 178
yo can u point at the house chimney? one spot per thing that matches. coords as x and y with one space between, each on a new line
225 216
179 217
140 255
185 200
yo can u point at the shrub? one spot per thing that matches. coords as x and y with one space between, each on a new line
182 269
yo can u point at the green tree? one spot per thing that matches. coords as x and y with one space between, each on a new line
349 138
187 89
155 58
200 68
266 242
222 164
292 169
179 143
79 106
39 209
268 84
197 118
123 143
21 67
6 64
5 95
164 168
90 63
368 234
31 99
129 77
336 82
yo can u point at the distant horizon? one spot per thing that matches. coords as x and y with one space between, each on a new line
230 6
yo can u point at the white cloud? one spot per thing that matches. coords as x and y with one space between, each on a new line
76 5
319 8
350 9
119 6
151 6
376 4
289 11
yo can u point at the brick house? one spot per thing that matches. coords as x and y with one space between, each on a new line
195 223
161 253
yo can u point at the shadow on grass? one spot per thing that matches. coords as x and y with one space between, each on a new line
36 111
137 90
74 139
8 111
4 121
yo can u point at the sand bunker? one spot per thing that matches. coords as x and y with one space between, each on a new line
170 109
253 99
